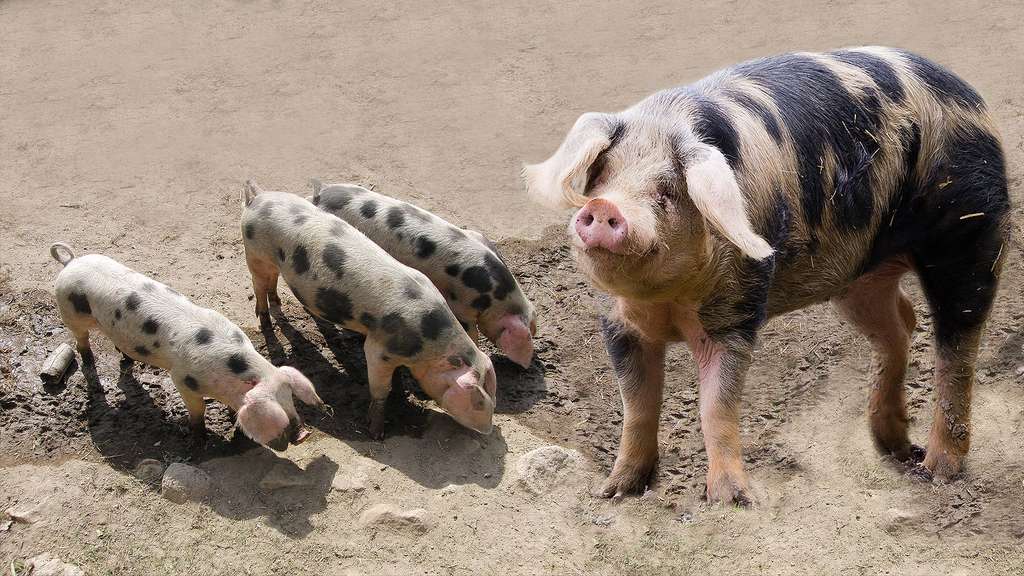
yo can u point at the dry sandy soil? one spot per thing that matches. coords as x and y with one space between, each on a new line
127 129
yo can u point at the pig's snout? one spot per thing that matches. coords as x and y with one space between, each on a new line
515 340
600 224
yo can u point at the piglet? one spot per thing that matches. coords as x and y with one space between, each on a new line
205 353
341 276
462 264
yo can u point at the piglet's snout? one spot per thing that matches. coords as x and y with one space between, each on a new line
600 224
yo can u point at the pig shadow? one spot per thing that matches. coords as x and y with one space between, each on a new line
422 443
261 484
137 428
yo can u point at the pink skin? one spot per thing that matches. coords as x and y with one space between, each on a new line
515 340
263 409
600 224
462 395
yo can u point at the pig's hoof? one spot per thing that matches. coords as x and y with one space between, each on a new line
942 467
626 480
916 455
375 429
729 490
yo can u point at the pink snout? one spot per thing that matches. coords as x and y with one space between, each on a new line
600 224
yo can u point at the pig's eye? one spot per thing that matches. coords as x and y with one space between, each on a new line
664 194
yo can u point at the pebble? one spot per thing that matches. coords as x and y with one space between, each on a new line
548 467
149 470
24 513
182 483
391 516
286 475
46 565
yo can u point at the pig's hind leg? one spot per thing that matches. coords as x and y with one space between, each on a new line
880 310
264 285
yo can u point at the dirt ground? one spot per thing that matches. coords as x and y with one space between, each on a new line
128 129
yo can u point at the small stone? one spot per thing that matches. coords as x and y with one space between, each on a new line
149 470
6 525
604 520
548 467
897 517
182 483
391 516
25 513
286 475
352 483
46 565
685 518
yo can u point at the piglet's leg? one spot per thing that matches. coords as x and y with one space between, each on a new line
721 370
194 404
264 285
378 374
640 367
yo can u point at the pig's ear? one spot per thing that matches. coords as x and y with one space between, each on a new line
317 187
301 386
712 187
263 421
558 181
250 191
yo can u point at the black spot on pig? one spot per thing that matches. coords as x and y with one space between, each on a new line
156 343
403 339
434 322
368 209
333 199
300 219
237 363
250 231
752 105
452 269
117 314
464 325
453 296
132 302
425 247
477 278
623 348
368 320
943 83
481 302
334 258
454 361
191 383
204 336
142 351
715 128
504 282
334 305
300 260
412 290
80 302
280 254
150 326
395 217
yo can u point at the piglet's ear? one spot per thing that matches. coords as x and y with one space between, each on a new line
557 181
301 387
712 187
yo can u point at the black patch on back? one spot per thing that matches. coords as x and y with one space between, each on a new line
150 326
368 320
300 219
334 305
300 260
425 247
280 254
477 278
715 128
250 230
191 383
455 361
132 301
204 336
237 363
434 322
623 347
117 314
395 217
822 116
880 71
945 85
334 258
333 199
80 302
403 339
481 302
452 269
771 124
504 283
368 209
142 351
412 290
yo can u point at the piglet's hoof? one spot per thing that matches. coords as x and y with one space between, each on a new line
729 490
625 480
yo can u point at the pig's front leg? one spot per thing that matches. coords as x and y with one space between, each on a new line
379 369
640 367
721 369
194 404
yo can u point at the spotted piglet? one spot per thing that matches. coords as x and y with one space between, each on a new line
205 353
341 276
462 264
